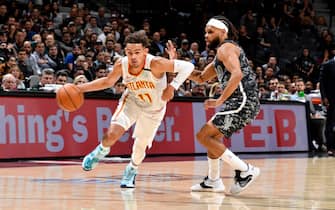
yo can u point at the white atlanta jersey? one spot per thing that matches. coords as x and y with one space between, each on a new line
144 88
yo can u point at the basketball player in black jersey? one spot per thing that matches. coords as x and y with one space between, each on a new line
238 105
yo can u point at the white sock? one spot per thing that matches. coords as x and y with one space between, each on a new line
132 165
103 147
235 162
104 150
213 168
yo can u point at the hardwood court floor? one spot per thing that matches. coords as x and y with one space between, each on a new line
285 183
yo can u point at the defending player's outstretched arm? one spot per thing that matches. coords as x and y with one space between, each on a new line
203 76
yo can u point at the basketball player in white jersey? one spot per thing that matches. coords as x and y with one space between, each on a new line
143 102
238 104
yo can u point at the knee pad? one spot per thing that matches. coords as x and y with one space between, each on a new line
138 153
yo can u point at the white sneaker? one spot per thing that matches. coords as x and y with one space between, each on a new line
243 179
128 178
208 185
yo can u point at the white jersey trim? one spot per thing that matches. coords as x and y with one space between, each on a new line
244 100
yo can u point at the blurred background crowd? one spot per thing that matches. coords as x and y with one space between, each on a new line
47 41
53 42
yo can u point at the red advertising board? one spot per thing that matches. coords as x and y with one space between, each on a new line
36 127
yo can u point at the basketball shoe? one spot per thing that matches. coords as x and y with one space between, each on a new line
128 178
208 185
91 160
243 179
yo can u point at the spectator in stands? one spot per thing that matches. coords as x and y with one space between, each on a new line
98 46
36 18
321 24
11 30
87 36
262 45
66 44
62 77
51 42
71 57
27 46
83 45
28 26
268 75
22 62
101 18
259 74
205 52
273 89
199 90
4 67
309 87
47 77
110 45
119 88
92 24
292 89
99 60
249 21
281 88
8 82
106 29
194 48
203 61
3 35
20 37
196 60
183 51
89 68
80 79
72 16
3 12
215 90
326 44
291 14
305 65
56 62
273 63
39 59
17 73
156 47
263 92
125 32
118 50
101 71
246 41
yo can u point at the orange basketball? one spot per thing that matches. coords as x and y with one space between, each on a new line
69 97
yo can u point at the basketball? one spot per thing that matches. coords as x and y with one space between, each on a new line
69 97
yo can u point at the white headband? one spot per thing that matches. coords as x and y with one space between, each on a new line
217 24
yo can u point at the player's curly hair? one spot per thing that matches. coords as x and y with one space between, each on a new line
138 37
233 32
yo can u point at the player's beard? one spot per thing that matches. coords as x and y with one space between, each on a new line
214 43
